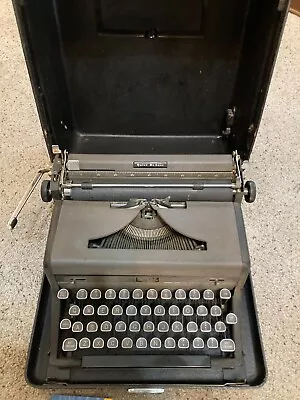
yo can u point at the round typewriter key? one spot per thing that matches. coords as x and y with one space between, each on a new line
170 343
74 310
117 310
180 294
208 294
227 345
148 326
134 326
62 294
192 327
163 326
215 311
159 310
69 344
124 294
127 343
155 343
152 294
188 311
198 343
112 343
106 326
81 294
131 310
110 294
202 311
145 310
77 327
177 326
225 294
88 310
98 343
137 294
141 343
95 294
92 326
166 294
183 343
84 343
194 294
174 310
120 326
102 310
220 326
212 343
205 326
65 324
231 319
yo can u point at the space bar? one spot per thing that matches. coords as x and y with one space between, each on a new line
145 361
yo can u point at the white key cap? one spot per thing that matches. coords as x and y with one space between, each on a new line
148 326
120 326
194 294
163 326
198 343
69 344
141 343
74 310
215 311
183 343
166 294
65 324
208 294
220 326
92 326
137 294
227 345
110 294
231 319
212 343
152 294
98 343
159 310
81 294
225 294
188 310
62 294
84 343
205 326
117 310
127 343
124 294
102 310
77 327
202 311
155 343
131 310
177 326
112 343
145 310
134 326
170 343
174 310
106 326
95 294
192 327
180 294
88 310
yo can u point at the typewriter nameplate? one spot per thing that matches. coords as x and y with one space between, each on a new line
150 164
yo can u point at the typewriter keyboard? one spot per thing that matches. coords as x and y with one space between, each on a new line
146 322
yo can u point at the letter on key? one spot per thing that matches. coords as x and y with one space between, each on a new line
62 294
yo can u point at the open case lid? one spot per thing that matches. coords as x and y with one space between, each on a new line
151 77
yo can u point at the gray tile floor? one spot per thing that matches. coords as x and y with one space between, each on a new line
272 224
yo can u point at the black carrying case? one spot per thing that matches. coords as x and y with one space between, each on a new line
159 77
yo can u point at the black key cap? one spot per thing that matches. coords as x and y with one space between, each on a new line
102 310
74 310
198 343
110 294
81 294
77 327
227 345
69 344
124 294
183 343
220 326
98 343
95 294
92 326
65 324
84 343
208 294
231 319
88 310
194 294
212 343
63 294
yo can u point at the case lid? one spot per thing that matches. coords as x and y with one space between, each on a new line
151 77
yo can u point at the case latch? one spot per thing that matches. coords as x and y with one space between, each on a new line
230 115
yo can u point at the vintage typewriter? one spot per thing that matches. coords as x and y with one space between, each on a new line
149 112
